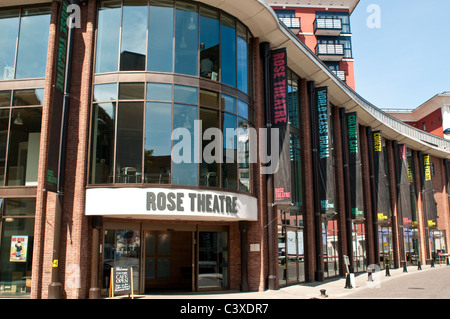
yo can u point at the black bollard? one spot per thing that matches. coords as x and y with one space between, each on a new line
432 263
419 266
348 285
405 269
388 273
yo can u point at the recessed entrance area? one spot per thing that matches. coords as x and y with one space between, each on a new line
167 257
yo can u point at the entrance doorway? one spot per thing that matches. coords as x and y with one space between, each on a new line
168 260
168 257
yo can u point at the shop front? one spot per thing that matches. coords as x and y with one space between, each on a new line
173 239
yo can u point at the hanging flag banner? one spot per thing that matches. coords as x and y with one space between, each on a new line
404 193
430 203
380 179
324 150
354 166
279 102
54 143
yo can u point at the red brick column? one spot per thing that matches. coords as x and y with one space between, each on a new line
396 240
39 274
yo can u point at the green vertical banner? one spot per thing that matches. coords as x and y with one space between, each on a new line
430 203
54 144
326 178
354 166
380 179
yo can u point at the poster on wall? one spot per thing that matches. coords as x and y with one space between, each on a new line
354 166
381 190
325 152
430 203
19 248
279 109
404 176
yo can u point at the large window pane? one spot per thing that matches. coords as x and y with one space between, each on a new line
4 125
186 39
33 42
5 98
160 36
228 50
209 168
28 97
213 259
129 142
134 34
229 166
103 128
242 58
159 91
158 142
105 92
16 256
209 43
131 91
185 94
23 154
184 166
108 32
9 24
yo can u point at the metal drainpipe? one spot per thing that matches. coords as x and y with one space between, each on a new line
272 282
55 287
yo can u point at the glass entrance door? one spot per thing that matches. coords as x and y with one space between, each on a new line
212 260
168 260
385 246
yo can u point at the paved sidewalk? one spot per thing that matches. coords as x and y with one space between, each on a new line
334 288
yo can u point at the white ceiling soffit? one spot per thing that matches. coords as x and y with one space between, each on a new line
263 23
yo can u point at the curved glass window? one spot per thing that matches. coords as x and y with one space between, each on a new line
169 36
164 133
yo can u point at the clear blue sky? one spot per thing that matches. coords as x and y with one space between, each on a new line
406 60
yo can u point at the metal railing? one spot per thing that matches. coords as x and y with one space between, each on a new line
291 22
329 49
340 74
328 23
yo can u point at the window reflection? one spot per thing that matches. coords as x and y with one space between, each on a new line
209 168
158 143
134 33
209 43
108 32
228 49
229 166
186 35
32 47
242 58
9 24
23 44
160 36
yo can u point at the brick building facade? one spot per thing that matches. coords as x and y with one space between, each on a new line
122 200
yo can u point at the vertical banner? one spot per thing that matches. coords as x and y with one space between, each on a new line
354 166
324 150
279 101
381 191
404 193
430 203
54 144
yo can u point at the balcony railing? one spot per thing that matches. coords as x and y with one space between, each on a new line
292 23
327 26
340 74
330 52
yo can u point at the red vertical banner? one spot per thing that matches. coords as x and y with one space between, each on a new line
279 112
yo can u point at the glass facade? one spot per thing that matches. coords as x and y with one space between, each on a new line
149 133
172 36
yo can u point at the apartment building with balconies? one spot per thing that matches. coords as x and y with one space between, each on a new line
325 29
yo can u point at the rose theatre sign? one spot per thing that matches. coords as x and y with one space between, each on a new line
168 203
